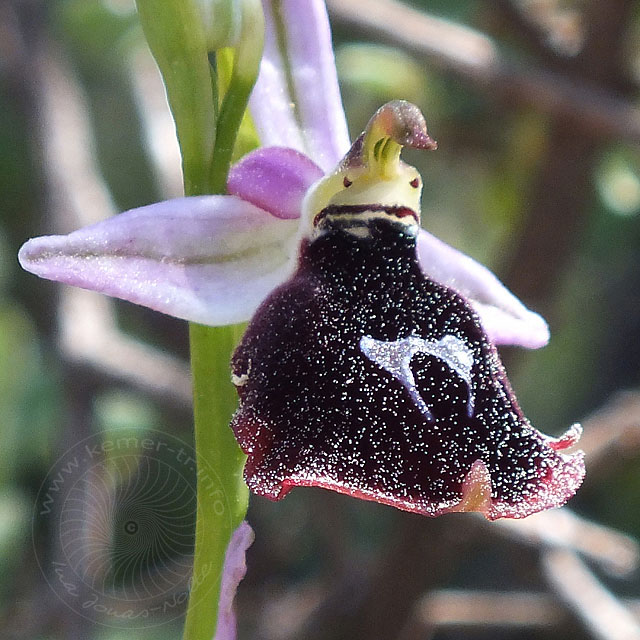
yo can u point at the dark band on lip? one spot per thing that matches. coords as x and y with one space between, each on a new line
354 209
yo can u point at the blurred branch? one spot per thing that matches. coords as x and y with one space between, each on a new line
77 192
79 196
615 552
602 614
458 608
556 209
601 58
476 58
425 552
546 32
527 28
462 608
554 215
613 430
89 335
157 123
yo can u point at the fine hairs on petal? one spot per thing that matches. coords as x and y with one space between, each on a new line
345 384
207 259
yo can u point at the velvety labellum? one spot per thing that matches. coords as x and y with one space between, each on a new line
362 375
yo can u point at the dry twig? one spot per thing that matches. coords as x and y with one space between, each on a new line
603 615
613 430
462 608
475 57
157 123
615 552
458 608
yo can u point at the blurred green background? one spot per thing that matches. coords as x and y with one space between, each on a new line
524 180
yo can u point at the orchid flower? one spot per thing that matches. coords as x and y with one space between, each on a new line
363 375
215 259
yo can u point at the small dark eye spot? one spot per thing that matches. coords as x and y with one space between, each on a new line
415 183
346 182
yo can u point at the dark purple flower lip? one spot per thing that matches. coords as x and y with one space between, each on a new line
395 211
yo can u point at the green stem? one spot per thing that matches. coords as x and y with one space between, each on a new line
180 43
222 499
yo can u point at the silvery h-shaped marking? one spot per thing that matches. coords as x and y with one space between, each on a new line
395 357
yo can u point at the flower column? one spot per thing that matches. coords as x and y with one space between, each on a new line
185 37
